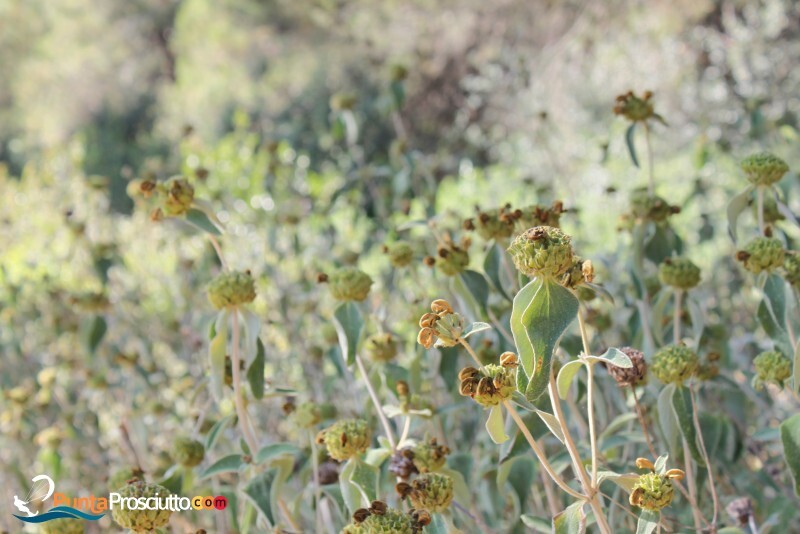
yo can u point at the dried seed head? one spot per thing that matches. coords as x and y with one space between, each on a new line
508 359
360 515
740 510
675 474
426 337
630 376
441 306
644 463
467 373
378 507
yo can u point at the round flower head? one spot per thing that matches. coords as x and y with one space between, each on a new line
540 216
680 273
380 519
429 456
652 492
180 196
65 525
452 259
762 254
791 268
400 253
306 415
764 168
630 376
345 439
495 225
542 251
350 283
231 289
647 207
634 108
490 387
772 367
674 364
381 347
142 520
122 476
188 452
429 491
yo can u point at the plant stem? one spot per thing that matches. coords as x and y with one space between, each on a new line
471 351
760 209
241 409
317 487
643 423
577 463
589 398
676 317
651 184
552 502
218 249
406 429
537 449
709 470
387 428
692 484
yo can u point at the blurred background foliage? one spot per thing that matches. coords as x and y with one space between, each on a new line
318 129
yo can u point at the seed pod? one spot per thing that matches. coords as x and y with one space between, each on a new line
764 168
674 364
441 306
542 251
679 273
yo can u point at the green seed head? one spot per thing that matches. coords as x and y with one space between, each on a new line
449 329
65 525
432 492
122 476
400 253
142 520
634 108
452 259
390 522
764 168
652 492
231 289
680 273
187 452
772 367
542 251
791 268
674 364
179 196
429 456
647 207
540 216
381 347
306 415
490 387
345 439
762 254
350 283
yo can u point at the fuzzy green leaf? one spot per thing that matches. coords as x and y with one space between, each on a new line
477 288
491 265
200 220
217 350
474 328
629 141
96 333
790 437
216 431
648 522
350 493
570 520
796 369
611 357
349 323
226 464
541 313
566 375
268 452
495 425
735 208
258 491
255 373
365 477
666 417
682 406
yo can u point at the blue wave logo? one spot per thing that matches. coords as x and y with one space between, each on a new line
59 512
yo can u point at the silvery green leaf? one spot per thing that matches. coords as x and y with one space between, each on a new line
566 375
475 328
648 521
571 520
625 481
735 208
349 324
661 464
255 372
268 452
629 142
495 425
226 464
217 350
682 405
552 423
612 357
200 219
376 457
790 437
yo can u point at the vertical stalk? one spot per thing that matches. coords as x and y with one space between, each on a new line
317 486
589 398
676 317
760 209
387 428
651 180
692 484
709 470
241 409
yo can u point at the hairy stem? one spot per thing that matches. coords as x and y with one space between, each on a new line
643 423
704 452
537 449
589 399
215 243
651 179
692 484
676 317
387 428
760 209
317 486
241 409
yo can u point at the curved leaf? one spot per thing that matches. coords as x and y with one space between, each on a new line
735 208
790 437
268 452
491 265
612 357
226 464
477 288
682 406
631 145
648 521
566 375
495 425
217 350
571 520
349 323
255 373
541 313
